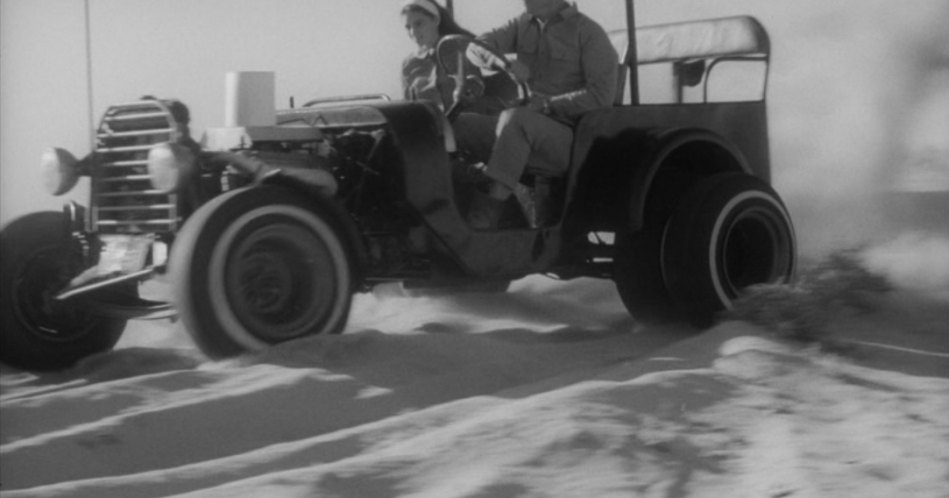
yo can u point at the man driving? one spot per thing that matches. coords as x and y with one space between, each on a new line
570 65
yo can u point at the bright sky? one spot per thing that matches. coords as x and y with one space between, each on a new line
833 61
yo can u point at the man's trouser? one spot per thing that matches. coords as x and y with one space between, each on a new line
518 140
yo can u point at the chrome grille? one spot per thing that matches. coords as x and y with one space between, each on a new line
123 199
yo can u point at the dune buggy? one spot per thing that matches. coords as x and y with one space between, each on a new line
267 229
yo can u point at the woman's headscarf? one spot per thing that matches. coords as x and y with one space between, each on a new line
426 5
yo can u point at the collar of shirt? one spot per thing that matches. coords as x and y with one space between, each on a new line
425 53
569 10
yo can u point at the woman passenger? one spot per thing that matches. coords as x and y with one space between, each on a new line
426 23
422 79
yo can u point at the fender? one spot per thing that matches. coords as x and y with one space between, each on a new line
316 192
721 156
77 218
618 171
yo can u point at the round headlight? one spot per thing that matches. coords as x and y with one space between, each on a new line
170 165
60 172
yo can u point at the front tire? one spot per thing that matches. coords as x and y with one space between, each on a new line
260 266
730 232
38 332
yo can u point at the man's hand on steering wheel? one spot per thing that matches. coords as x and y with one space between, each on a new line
463 59
539 103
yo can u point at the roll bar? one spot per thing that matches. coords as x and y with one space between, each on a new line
632 52
739 35
694 47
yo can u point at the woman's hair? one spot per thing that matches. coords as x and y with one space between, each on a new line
446 24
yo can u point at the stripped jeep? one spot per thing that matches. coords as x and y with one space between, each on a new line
267 230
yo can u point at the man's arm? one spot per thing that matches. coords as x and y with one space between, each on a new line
503 39
600 65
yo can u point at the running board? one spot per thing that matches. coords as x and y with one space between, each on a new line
136 308
86 288
117 304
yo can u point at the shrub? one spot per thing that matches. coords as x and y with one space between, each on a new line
802 310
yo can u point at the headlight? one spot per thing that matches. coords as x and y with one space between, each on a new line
60 172
170 166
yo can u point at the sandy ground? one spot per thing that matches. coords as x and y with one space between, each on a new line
548 390
552 389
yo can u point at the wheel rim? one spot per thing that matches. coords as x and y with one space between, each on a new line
755 249
278 273
274 281
40 277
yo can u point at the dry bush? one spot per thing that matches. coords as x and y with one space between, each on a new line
802 310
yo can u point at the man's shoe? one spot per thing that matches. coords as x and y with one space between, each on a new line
525 199
465 173
548 201
484 211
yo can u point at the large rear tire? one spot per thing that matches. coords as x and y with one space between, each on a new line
637 268
730 232
38 332
637 273
260 266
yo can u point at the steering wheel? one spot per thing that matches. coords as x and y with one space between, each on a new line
478 70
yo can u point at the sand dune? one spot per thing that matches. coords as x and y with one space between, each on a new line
548 390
